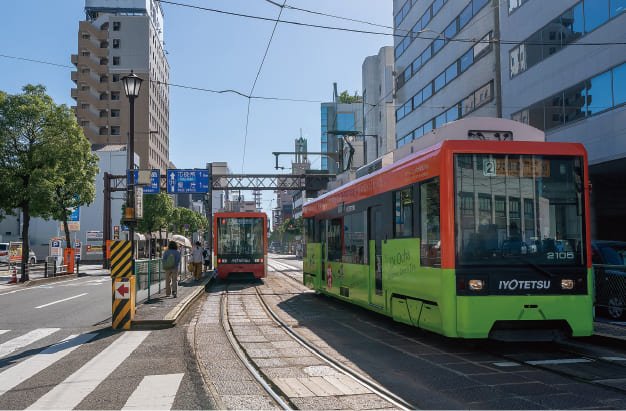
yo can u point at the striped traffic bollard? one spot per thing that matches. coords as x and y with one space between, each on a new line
123 282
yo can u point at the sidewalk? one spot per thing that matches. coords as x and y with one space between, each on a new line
161 311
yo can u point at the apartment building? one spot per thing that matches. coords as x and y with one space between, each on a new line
445 62
118 36
564 72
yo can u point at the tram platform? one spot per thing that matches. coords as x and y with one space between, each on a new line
161 312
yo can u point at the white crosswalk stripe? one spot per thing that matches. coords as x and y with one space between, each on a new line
24 340
21 372
155 392
69 393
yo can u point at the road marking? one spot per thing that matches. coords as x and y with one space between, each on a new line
76 387
3 331
60 301
21 372
24 340
543 362
39 286
155 392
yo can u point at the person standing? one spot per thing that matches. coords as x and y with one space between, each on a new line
196 260
171 265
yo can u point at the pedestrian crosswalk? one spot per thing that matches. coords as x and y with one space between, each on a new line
46 351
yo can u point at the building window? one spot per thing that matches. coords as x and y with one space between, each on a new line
103 113
103 131
117 25
115 113
115 95
115 130
116 78
84 123
116 60
84 106
85 53
104 79
116 43
85 36
430 255
104 96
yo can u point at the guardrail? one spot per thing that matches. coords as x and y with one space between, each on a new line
610 286
149 274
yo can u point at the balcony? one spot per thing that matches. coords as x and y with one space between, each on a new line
74 59
85 26
74 93
74 76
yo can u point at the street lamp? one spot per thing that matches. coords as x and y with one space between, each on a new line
132 84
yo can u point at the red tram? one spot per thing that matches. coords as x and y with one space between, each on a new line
240 243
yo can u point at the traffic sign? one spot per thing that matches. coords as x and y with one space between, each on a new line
75 215
122 292
155 181
187 181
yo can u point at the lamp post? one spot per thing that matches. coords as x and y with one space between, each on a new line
132 84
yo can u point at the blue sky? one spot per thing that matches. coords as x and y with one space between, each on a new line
217 51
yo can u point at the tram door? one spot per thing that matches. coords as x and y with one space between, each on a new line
324 256
375 229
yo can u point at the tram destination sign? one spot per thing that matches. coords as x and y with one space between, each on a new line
187 181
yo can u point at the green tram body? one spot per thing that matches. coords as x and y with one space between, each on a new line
411 289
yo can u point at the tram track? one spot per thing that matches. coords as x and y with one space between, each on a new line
246 361
348 383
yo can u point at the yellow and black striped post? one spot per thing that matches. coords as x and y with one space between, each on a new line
123 284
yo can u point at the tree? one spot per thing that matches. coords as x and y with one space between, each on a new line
346 98
157 213
31 129
186 221
73 181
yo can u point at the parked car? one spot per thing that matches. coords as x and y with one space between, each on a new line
4 254
609 259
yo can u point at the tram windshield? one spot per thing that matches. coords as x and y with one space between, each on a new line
519 209
240 236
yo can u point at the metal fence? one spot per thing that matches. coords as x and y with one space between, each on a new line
149 274
610 285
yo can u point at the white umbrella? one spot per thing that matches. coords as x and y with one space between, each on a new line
182 240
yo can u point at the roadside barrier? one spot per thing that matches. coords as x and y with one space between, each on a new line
148 272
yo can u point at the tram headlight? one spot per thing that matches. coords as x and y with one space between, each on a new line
476 285
567 284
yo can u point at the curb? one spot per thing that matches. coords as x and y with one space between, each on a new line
46 280
177 312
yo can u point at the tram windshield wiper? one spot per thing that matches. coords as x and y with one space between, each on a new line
538 268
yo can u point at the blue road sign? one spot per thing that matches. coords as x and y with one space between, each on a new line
155 181
187 181
75 216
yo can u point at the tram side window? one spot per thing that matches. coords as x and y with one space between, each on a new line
403 213
430 253
309 231
354 237
335 231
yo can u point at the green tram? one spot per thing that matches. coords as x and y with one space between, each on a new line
468 239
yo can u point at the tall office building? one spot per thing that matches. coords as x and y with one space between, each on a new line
446 63
562 72
378 110
116 37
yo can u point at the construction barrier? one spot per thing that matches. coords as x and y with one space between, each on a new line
123 285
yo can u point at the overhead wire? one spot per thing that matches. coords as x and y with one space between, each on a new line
258 73
418 34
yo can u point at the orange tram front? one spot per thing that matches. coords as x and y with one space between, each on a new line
240 243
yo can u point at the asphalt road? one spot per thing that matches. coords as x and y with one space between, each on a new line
58 351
